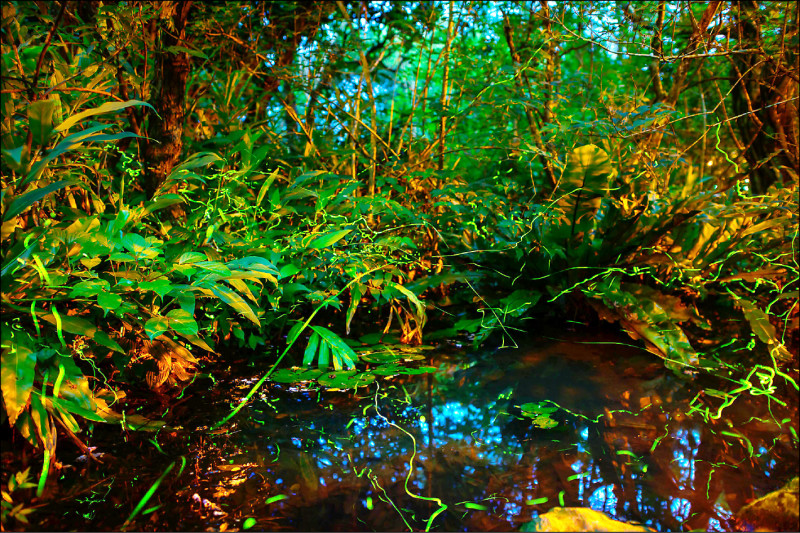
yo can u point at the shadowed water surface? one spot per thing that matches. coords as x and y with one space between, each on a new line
495 436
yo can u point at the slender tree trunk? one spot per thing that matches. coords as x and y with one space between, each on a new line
165 131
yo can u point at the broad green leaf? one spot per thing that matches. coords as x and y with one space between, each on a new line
156 326
342 353
311 349
16 158
345 379
73 324
22 203
186 300
160 286
191 257
108 107
182 322
295 374
17 370
381 357
324 355
175 49
214 266
237 302
72 407
252 262
356 292
328 239
197 160
135 243
289 269
197 341
89 288
393 369
584 181
122 257
109 301
265 187
102 338
68 144
41 116
163 201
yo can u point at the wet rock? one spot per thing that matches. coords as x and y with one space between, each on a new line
777 511
578 519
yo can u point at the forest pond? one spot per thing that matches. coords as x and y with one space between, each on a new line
498 436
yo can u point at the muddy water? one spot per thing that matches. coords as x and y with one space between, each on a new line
495 436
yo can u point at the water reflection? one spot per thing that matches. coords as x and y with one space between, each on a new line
620 444
608 430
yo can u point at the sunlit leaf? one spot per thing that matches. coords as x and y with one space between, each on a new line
109 301
20 204
182 322
17 370
159 286
328 239
236 302
108 107
156 326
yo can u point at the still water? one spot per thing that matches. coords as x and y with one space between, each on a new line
486 443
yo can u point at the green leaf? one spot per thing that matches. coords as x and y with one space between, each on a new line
381 357
89 288
73 324
295 374
393 369
160 286
215 267
109 301
108 107
255 263
197 160
16 158
328 239
186 300
17 370
584 181
22 203
135 243
191 257
40 118
156 326
182 322
163 201
345 379
420 314
342 353
71 142
102 338
311 349
324 355
237 302
122 257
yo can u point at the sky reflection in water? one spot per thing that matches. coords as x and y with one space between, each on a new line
472 446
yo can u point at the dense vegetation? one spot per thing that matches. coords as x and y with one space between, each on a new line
183 178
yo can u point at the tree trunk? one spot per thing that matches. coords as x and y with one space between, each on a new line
165 131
